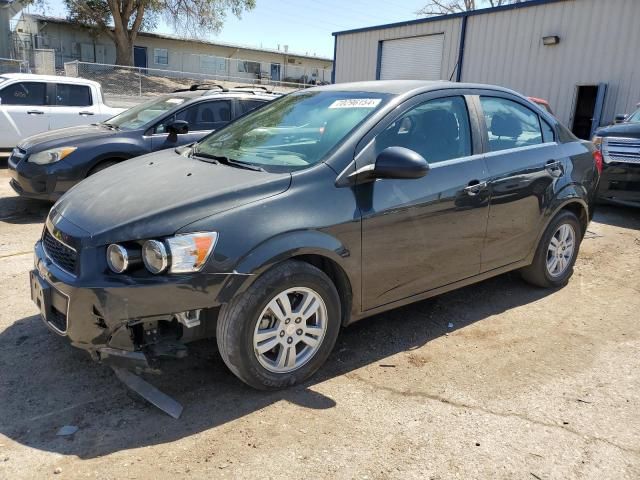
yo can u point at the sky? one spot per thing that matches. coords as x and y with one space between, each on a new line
304 25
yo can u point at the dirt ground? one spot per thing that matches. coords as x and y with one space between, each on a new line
526 383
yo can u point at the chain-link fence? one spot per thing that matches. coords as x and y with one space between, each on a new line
118 81
9 65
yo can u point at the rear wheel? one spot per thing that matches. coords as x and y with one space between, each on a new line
282 329
556 253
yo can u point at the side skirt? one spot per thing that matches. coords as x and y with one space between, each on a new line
440 290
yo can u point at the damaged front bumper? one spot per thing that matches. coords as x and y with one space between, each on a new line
125 322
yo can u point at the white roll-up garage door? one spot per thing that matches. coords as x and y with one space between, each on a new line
414 58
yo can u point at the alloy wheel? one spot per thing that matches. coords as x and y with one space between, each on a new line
560 250
290 330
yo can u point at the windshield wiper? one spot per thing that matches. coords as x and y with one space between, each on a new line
204 156
227 161
110 125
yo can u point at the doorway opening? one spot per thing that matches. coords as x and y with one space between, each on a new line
588 109
140 57
275 72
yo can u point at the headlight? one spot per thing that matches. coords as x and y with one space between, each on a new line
119 258
190 252
51 156
179 254
154 255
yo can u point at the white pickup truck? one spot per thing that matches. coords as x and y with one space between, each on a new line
31 104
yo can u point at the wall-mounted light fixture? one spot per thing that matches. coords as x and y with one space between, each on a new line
551 40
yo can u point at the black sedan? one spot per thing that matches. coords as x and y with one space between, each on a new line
619 150
46 165
321 208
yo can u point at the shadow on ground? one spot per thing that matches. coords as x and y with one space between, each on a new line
19 210
618 216
46 383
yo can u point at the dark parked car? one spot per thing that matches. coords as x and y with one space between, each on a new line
46 165
321 208
619 151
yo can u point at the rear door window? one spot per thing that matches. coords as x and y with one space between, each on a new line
69 95
438 130
248 105
510 124
24 93
203 116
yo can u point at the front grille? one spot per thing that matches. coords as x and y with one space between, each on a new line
63 256
622 150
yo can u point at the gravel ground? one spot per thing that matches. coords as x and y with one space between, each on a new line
527 383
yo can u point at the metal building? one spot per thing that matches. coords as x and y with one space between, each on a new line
582 56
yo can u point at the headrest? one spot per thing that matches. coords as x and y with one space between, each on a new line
505 125
439 124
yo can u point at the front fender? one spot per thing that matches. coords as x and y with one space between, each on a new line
281 248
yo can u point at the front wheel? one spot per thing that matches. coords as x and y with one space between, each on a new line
283 328
556 253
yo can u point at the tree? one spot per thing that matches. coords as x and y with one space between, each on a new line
445 7
122 20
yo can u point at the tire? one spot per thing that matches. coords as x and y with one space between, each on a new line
543 272
253 316
101 166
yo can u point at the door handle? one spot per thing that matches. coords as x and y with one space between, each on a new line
85 113
475 187
35 112
554 167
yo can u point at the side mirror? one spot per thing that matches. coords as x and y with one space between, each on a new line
177 128
620 117
393 163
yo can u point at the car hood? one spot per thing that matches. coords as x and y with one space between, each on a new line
66 137
157 194
631 130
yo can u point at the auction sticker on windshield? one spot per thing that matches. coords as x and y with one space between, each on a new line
356 103
177 101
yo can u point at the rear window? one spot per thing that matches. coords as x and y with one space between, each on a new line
69 95
510 124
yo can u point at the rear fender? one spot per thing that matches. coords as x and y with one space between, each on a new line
571 194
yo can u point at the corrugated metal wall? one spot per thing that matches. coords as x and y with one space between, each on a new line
599 42
357 53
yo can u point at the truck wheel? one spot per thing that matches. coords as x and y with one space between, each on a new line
282 328
556 253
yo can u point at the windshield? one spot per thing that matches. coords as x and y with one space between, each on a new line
293 132
634 117
144 113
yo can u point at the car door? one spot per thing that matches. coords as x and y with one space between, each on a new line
421 234
23 111
203 118
524 162
71 105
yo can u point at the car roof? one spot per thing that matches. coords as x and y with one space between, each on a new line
399 87
48 78
208 94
